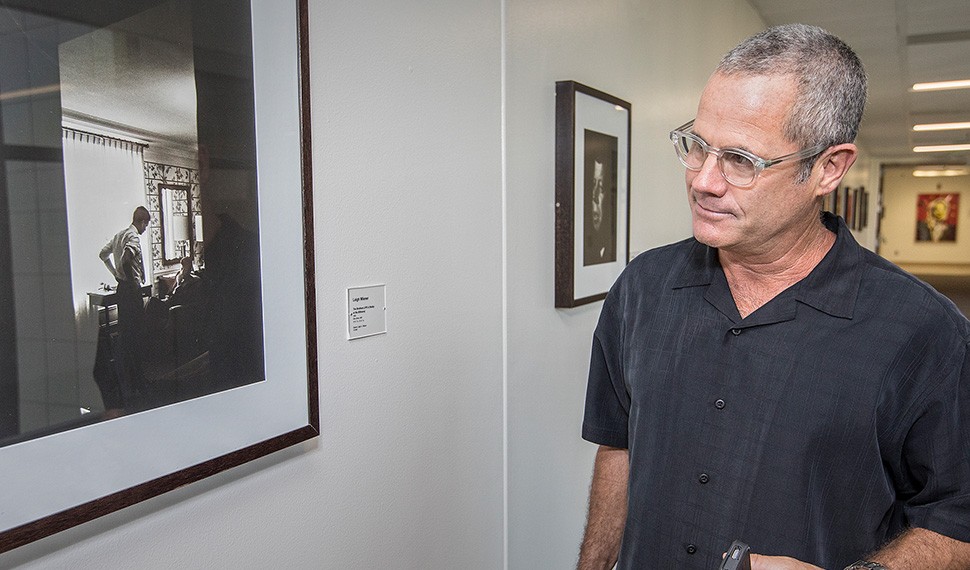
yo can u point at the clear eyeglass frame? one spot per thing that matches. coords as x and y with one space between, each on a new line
738 166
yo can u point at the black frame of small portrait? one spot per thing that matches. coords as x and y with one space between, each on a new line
587 114
70 477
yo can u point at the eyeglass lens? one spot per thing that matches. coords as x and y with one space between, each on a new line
737 168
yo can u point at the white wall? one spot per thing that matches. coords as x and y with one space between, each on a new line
407 163
656 54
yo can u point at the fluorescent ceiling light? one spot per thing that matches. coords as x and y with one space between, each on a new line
30 92
934 172
941 126
939 85
942 148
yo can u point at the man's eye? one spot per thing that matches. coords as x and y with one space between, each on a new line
737 160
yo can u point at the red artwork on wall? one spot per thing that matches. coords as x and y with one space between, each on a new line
936 217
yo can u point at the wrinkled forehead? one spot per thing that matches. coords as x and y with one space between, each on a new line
742 93
745 111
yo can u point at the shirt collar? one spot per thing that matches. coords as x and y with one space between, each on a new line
831 287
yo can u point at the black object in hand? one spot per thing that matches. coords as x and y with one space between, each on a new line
738 557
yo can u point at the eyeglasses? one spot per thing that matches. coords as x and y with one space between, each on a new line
739 167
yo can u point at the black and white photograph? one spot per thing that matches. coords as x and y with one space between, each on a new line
592 192
599 218
131 258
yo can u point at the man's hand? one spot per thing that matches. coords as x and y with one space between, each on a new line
761 562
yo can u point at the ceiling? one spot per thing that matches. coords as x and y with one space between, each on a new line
135 77
900 42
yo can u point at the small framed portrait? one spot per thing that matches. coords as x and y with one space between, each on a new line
936 217
592 192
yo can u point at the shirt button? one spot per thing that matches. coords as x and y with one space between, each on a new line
719 404
704 478
690 548
735 332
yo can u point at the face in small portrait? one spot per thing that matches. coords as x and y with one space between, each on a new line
599 197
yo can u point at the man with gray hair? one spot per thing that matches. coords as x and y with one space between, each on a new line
770 380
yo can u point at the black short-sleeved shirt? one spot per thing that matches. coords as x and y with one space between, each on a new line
817 427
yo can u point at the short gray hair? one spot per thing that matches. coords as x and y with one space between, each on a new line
831 82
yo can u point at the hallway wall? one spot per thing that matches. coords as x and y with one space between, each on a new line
865 173
408 472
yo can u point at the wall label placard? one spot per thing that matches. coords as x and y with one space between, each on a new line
366 311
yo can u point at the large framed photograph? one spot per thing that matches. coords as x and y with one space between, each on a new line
592 192
156 260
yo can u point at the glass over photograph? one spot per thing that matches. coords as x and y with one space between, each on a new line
599 215
129 243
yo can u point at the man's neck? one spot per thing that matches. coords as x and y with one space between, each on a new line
758 277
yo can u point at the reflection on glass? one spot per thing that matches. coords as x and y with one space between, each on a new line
126 128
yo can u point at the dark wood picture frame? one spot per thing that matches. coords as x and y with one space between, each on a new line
592 192
151 442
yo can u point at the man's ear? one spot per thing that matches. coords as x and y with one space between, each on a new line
832 166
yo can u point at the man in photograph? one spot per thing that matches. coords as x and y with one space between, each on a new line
123 257
599 214
769 380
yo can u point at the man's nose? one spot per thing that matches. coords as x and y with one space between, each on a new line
708 178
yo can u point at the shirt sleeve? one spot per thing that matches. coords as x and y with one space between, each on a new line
607 399
936 454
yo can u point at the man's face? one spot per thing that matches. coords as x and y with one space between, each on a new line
748 113
598 194
142 224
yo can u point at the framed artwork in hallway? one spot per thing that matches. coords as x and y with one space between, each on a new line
936 217
189 347
592 192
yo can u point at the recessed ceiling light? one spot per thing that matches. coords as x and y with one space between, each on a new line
942 148
941 126
938 85
934 172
